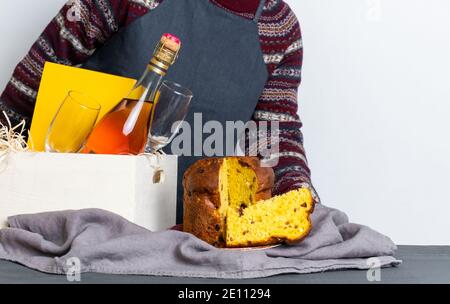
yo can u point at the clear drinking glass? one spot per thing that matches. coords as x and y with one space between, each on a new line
72 124
171 107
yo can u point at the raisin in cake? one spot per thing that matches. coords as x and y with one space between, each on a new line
228 203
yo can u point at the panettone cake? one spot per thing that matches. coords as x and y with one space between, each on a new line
228 203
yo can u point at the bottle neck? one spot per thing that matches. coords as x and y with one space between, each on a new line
149 82
156 70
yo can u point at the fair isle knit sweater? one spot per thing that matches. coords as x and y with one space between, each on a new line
71 43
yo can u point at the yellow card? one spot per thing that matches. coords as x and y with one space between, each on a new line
58 80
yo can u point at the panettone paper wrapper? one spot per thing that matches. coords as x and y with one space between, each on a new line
104 242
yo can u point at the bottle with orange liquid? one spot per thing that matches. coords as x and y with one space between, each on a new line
124 130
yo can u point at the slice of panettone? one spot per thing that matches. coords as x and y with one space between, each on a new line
284 218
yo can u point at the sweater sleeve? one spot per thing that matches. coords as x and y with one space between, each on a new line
279 102
78 29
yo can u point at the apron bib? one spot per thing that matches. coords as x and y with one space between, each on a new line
220 61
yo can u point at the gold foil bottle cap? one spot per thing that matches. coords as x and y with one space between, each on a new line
166 53
171 42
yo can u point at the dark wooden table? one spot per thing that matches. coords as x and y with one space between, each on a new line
421 264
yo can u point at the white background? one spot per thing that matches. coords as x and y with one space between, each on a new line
375 102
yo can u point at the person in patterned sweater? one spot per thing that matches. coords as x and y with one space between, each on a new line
72 43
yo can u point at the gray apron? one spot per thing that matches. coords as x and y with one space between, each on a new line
220 61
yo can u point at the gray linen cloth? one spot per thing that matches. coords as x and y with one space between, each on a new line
107 243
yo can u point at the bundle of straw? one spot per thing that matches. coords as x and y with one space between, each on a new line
11 139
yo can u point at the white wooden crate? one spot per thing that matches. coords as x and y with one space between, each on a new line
42 182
